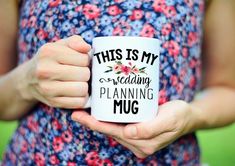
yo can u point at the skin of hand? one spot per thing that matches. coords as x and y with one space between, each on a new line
58 74
174 119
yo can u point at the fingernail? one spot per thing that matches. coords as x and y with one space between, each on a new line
131 131
89 46
75 118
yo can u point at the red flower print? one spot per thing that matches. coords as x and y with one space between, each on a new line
58 144
185 52
91 11
180 88
169 11
22 130
114 10
186 156
173 47
54 3
71 163
39 159
24 146
166 29
193 20
136 14
192 82
174 163
182 74
158 5
55 38
117 68
47 108
54 160
141 160
118 1
32 124
162 97
106 162
118 31
174 80
125 69
78 8
192 63
192 38
202 7
56 124
92 158
135 70
23 23
189 3
32 21
147 31
42 34
67 136
112 142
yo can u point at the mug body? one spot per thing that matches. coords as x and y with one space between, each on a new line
125 78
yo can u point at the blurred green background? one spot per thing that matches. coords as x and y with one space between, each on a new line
217 145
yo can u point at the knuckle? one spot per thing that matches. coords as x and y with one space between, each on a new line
41 72
44 89
86 60
87 73
81 102
46 50
85 88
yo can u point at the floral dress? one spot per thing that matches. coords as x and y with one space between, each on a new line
48 136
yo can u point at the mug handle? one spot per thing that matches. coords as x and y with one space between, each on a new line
88 103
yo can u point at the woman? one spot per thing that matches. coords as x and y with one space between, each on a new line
53 73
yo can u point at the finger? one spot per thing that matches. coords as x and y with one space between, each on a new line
75 42
146 147
89 121
71 73
68 102
63 73
64 89
132 148
64 55
72 58
146 130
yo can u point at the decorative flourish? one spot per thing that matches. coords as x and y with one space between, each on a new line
119 68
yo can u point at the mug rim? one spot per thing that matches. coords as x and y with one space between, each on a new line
129 37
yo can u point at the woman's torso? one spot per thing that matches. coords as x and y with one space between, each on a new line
48 136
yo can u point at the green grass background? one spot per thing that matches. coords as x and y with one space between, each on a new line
217 145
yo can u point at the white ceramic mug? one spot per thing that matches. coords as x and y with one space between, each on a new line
125 78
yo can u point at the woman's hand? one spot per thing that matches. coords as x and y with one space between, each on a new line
58 74
174 119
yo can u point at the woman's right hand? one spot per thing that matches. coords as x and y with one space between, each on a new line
58 74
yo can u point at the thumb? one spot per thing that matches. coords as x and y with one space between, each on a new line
144 130
76 43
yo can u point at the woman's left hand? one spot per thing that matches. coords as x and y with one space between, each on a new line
174 119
